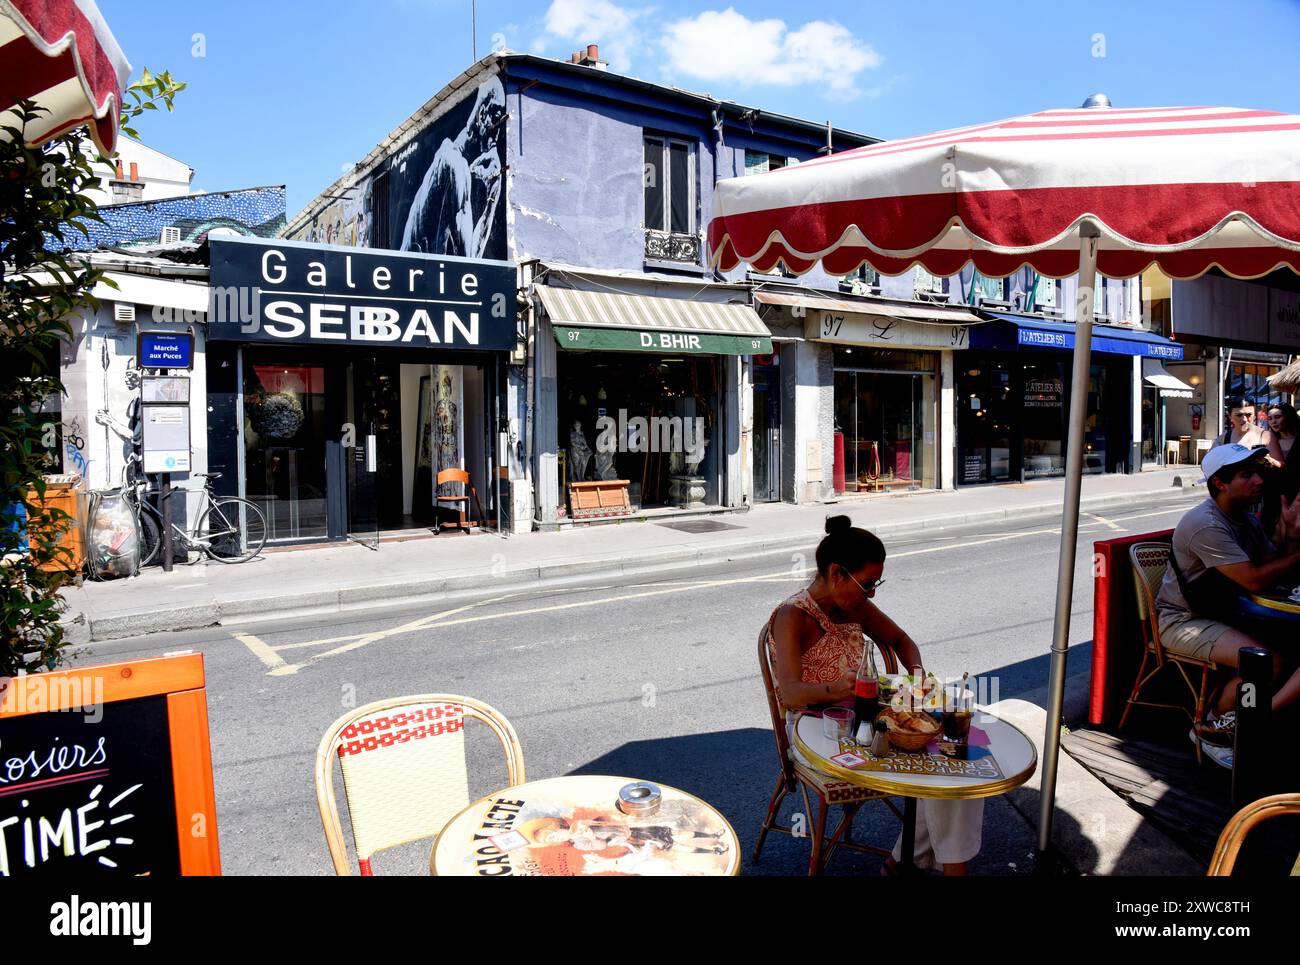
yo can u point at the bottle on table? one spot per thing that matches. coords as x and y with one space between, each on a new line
866 687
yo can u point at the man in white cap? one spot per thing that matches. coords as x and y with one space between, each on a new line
1221 553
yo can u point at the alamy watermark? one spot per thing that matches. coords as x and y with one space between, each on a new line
655 434
39 694
229 305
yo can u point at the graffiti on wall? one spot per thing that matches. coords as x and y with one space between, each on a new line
344 222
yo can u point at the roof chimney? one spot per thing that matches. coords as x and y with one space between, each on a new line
591 58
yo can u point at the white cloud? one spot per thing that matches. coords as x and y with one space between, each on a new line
616 29
724 45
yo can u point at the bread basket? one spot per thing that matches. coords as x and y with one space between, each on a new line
909 740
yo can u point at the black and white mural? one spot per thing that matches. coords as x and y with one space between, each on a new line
445 188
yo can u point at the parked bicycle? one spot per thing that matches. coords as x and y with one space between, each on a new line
229 529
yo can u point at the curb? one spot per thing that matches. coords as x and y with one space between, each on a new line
1095 831
83 629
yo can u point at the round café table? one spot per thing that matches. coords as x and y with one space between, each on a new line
568 826
1283 604
1014 753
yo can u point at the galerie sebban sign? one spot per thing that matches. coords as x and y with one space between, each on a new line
292 292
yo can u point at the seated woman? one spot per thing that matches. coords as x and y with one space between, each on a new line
815 641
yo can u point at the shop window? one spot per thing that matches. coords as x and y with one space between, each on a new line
887 419
664 420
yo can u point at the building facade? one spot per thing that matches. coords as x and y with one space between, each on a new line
635 362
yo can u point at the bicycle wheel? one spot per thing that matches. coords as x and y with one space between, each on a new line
232 530
150 537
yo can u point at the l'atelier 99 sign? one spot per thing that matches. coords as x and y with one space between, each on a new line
291 292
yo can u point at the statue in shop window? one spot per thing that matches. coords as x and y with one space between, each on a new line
579 453
605 465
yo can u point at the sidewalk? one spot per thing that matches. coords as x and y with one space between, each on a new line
347 576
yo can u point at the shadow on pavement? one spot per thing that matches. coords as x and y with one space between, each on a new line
735 771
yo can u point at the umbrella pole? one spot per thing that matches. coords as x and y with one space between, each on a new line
1089 237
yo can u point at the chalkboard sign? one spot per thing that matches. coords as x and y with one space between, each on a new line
106 771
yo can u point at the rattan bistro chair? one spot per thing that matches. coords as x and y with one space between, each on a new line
798 774
404 771
1149 563
1242 823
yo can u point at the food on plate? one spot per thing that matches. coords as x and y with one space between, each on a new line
898 719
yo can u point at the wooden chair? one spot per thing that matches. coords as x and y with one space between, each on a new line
459 503
1242 823
404 771
796 773
1150 560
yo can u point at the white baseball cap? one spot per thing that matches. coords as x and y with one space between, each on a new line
1228 455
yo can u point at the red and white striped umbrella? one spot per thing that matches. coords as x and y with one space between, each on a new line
1183 187
1062 191
61 54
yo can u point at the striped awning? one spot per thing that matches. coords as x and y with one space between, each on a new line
616 321
908 311
61 54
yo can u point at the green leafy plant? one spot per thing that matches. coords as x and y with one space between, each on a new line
43 198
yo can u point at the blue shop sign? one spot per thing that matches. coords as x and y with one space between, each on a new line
165 350
1006 332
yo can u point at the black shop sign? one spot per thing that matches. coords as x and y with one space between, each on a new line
296 293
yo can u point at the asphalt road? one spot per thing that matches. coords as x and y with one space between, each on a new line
655 679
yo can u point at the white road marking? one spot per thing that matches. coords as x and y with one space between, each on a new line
1102 519
260 650
269 655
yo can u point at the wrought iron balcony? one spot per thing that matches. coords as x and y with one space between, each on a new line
672 246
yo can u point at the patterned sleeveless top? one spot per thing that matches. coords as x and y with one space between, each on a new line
837 653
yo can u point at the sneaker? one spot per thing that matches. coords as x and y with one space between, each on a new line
1223 756
1220 731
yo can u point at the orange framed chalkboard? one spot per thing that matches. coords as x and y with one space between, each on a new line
107 770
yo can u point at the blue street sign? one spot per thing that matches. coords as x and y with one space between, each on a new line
165 350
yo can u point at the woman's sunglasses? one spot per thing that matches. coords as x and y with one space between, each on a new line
869 589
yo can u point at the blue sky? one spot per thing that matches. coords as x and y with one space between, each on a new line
282 91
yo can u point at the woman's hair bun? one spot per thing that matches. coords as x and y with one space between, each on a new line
838 524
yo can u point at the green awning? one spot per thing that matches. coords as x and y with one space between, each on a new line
622 322
661 343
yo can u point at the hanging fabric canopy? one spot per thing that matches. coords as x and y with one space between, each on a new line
1185 188
1287 380
61 54
1062 191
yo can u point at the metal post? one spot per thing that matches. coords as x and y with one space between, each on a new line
1250 754
1089 237
166 489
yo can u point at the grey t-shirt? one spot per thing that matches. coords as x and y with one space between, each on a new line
1207 537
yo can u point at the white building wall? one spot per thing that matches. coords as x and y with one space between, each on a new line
161 175
100 376
947 420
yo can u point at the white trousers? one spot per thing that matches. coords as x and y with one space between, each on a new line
947 832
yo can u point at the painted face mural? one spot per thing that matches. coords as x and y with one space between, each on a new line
453 178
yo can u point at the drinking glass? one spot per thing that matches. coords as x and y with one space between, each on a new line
958 708
837 724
